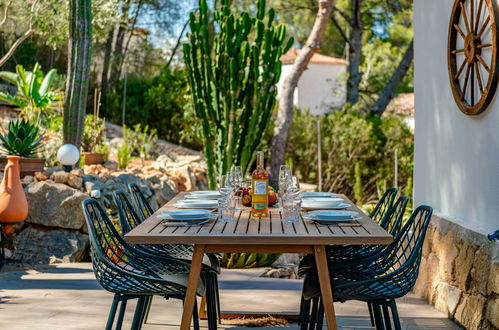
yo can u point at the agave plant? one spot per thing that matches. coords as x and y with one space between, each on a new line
22 139
248 260
33 95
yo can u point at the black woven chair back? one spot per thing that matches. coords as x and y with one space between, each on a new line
384 205
404 254
118 266
128 217
144 209
393 222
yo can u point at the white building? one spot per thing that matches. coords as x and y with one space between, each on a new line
456 171
323 84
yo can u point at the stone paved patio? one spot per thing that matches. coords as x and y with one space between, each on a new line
68 297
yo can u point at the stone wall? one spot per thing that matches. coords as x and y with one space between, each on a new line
459 274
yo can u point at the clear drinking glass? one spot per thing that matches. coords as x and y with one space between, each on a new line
225 211
289 209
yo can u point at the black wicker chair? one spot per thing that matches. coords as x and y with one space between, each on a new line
381 278
392 222
130 273
129 219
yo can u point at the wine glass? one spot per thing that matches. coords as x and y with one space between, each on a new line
284 174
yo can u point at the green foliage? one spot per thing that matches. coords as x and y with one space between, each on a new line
357 151
142 139
162 103
124 155
248 260
234 65
34 96
22 139
93 133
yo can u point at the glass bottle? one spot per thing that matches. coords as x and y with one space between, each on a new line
259 189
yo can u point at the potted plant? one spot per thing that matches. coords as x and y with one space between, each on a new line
93 140
24 140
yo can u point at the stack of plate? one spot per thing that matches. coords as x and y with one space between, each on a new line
197 204
204 194
330 217
314 194
186 216
325 203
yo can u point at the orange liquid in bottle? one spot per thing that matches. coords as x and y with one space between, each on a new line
259 189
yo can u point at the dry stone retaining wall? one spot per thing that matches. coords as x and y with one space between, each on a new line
459 274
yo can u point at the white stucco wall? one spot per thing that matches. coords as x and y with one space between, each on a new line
456 156
320 87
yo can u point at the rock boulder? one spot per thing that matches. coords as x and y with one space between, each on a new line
55 205
40 245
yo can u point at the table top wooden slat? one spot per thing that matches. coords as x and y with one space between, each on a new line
271 230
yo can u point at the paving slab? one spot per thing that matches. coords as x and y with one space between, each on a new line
67 296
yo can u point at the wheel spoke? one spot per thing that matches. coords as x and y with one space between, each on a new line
472 14
484 46
480 58
457 51
465 16
460 70
465 87
478 16
472 84
458 28
483 27
478 76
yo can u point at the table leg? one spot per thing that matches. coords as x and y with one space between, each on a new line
325 284
192 284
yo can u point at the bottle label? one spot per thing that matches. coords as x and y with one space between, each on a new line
260 187
259 206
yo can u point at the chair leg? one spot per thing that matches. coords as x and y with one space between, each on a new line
313 314
371 315
211 305
148 309
304 313
320 315
217 297
137 317
395 313
377 317
195 316
112 312
147 301
121 315
386 315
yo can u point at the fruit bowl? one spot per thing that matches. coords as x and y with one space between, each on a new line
246 196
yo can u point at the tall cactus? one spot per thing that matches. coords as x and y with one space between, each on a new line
233 74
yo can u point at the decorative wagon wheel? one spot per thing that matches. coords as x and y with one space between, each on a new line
472 54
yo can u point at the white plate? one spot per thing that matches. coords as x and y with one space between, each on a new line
169 223
181 205
333 215
184 214
315 194
319 203
204 194
338 207
199 202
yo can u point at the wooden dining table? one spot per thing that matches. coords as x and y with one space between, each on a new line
259 235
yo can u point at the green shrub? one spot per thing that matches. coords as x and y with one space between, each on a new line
357 152
161 103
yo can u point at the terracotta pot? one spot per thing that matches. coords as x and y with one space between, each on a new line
13 203
92 158
28 165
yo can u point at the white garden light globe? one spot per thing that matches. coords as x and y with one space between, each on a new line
68 155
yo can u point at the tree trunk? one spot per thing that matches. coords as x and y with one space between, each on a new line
104 83
80 42
285 112
354 54
389 91
118 50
